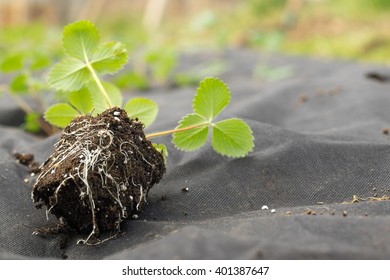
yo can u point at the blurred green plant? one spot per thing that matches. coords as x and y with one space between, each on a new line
27 86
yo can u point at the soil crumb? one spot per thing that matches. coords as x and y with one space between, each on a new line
378 77
28 160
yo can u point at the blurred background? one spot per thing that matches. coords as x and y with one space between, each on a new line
351 29
160 34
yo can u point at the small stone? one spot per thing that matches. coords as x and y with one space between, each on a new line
32 174
117 119
310 212
273 211
345 213
116 113
264 207
185 189
26 180
135 216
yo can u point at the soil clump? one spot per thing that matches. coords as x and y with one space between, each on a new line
99 174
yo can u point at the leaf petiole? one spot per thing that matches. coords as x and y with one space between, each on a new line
171 131
96 78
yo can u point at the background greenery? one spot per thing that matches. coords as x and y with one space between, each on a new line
352 29
334 29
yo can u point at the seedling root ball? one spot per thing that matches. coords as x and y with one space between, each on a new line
99 174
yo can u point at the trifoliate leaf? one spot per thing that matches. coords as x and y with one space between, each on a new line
109 57
192 139
12 62
161 148
81 100
19 84
69 75
80 39
144 109
99 101
232 138
60 114
211 98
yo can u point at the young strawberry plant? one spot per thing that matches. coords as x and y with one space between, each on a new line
103 166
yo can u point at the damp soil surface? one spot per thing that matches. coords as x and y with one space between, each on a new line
99 174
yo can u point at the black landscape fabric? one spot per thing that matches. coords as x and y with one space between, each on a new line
320 166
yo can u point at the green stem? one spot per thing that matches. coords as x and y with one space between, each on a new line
96 78
167 132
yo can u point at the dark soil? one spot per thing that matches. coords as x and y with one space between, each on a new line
28 160
99 174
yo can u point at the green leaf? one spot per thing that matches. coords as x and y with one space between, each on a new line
12 63
69 75
161 62
192 139
144 109
31 123
39 61
19 84
131 80
211 98
81 100
99 101
161 148
232 138
109 58
80 39
60 114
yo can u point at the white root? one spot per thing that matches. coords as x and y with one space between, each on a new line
92 158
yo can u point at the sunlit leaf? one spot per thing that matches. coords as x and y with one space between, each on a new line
81 100
161 148
100 103
232 138
80 39
211 98
194 138
39 61
144 109
69 75
60 114
12 63
109 57
19 84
